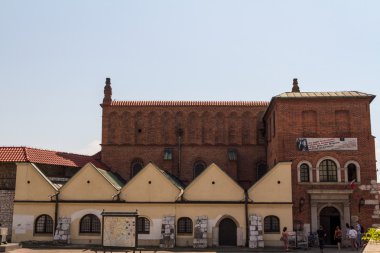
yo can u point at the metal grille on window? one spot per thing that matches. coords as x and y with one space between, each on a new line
304 173
143 225
89 224
44 224
185 226
168 154
232 154
271 224
327 171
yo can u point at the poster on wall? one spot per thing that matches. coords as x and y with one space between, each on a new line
119 229
324 144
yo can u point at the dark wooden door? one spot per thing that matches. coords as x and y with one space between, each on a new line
227 232
329 219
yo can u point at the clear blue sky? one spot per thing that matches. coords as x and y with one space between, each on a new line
55 55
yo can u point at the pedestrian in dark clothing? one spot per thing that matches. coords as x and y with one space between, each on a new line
321 237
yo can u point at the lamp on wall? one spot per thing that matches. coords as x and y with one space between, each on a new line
301 203
361 203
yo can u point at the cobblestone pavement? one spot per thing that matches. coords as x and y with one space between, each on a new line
230 250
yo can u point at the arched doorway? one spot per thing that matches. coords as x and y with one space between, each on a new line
329 218
227 232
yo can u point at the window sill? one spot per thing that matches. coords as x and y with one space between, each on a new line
89 234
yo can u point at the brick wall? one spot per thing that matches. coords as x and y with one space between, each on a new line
6 209
339 117
131 132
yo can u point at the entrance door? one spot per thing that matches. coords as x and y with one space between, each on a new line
329 218
227 232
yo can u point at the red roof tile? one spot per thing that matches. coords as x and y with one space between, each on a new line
190 103
42 156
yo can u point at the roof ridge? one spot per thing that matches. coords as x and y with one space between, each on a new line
188 103
25 148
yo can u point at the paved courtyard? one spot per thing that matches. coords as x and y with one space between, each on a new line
311 250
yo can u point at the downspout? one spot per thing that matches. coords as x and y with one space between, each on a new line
56 211
179 132
246 217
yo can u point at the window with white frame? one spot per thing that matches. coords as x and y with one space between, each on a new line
304 173
328 171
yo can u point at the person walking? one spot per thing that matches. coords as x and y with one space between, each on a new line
338 236
359 230
353 234
321 237
347 238
285 238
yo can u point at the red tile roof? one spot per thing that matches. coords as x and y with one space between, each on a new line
190 103
42 156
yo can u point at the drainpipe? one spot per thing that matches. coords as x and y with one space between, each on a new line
246 217
56 210
179 133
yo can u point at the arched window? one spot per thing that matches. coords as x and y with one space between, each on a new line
185 226
304 173
328 171
136 166
43 224
199 167
89 223
261 170
271 224
351 172
143 225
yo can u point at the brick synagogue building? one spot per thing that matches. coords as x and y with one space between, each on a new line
315 148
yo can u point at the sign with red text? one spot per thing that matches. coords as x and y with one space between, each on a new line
325 144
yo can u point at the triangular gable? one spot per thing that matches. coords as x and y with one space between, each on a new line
151 184
89 183
274 186
32 184
213 184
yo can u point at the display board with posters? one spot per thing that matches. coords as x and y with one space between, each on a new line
119 230
325 144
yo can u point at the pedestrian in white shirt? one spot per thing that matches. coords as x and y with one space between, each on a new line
353 234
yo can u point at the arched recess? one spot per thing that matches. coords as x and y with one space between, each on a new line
329 218
227 231
233 128
318 175
246 128
152 128
348 173
207 129
167 130
128 128
192 128
219 128
112 133
299 171
139 128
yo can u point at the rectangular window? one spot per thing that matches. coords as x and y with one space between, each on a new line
168 154
232 154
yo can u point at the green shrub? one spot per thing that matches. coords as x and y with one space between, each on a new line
372 235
